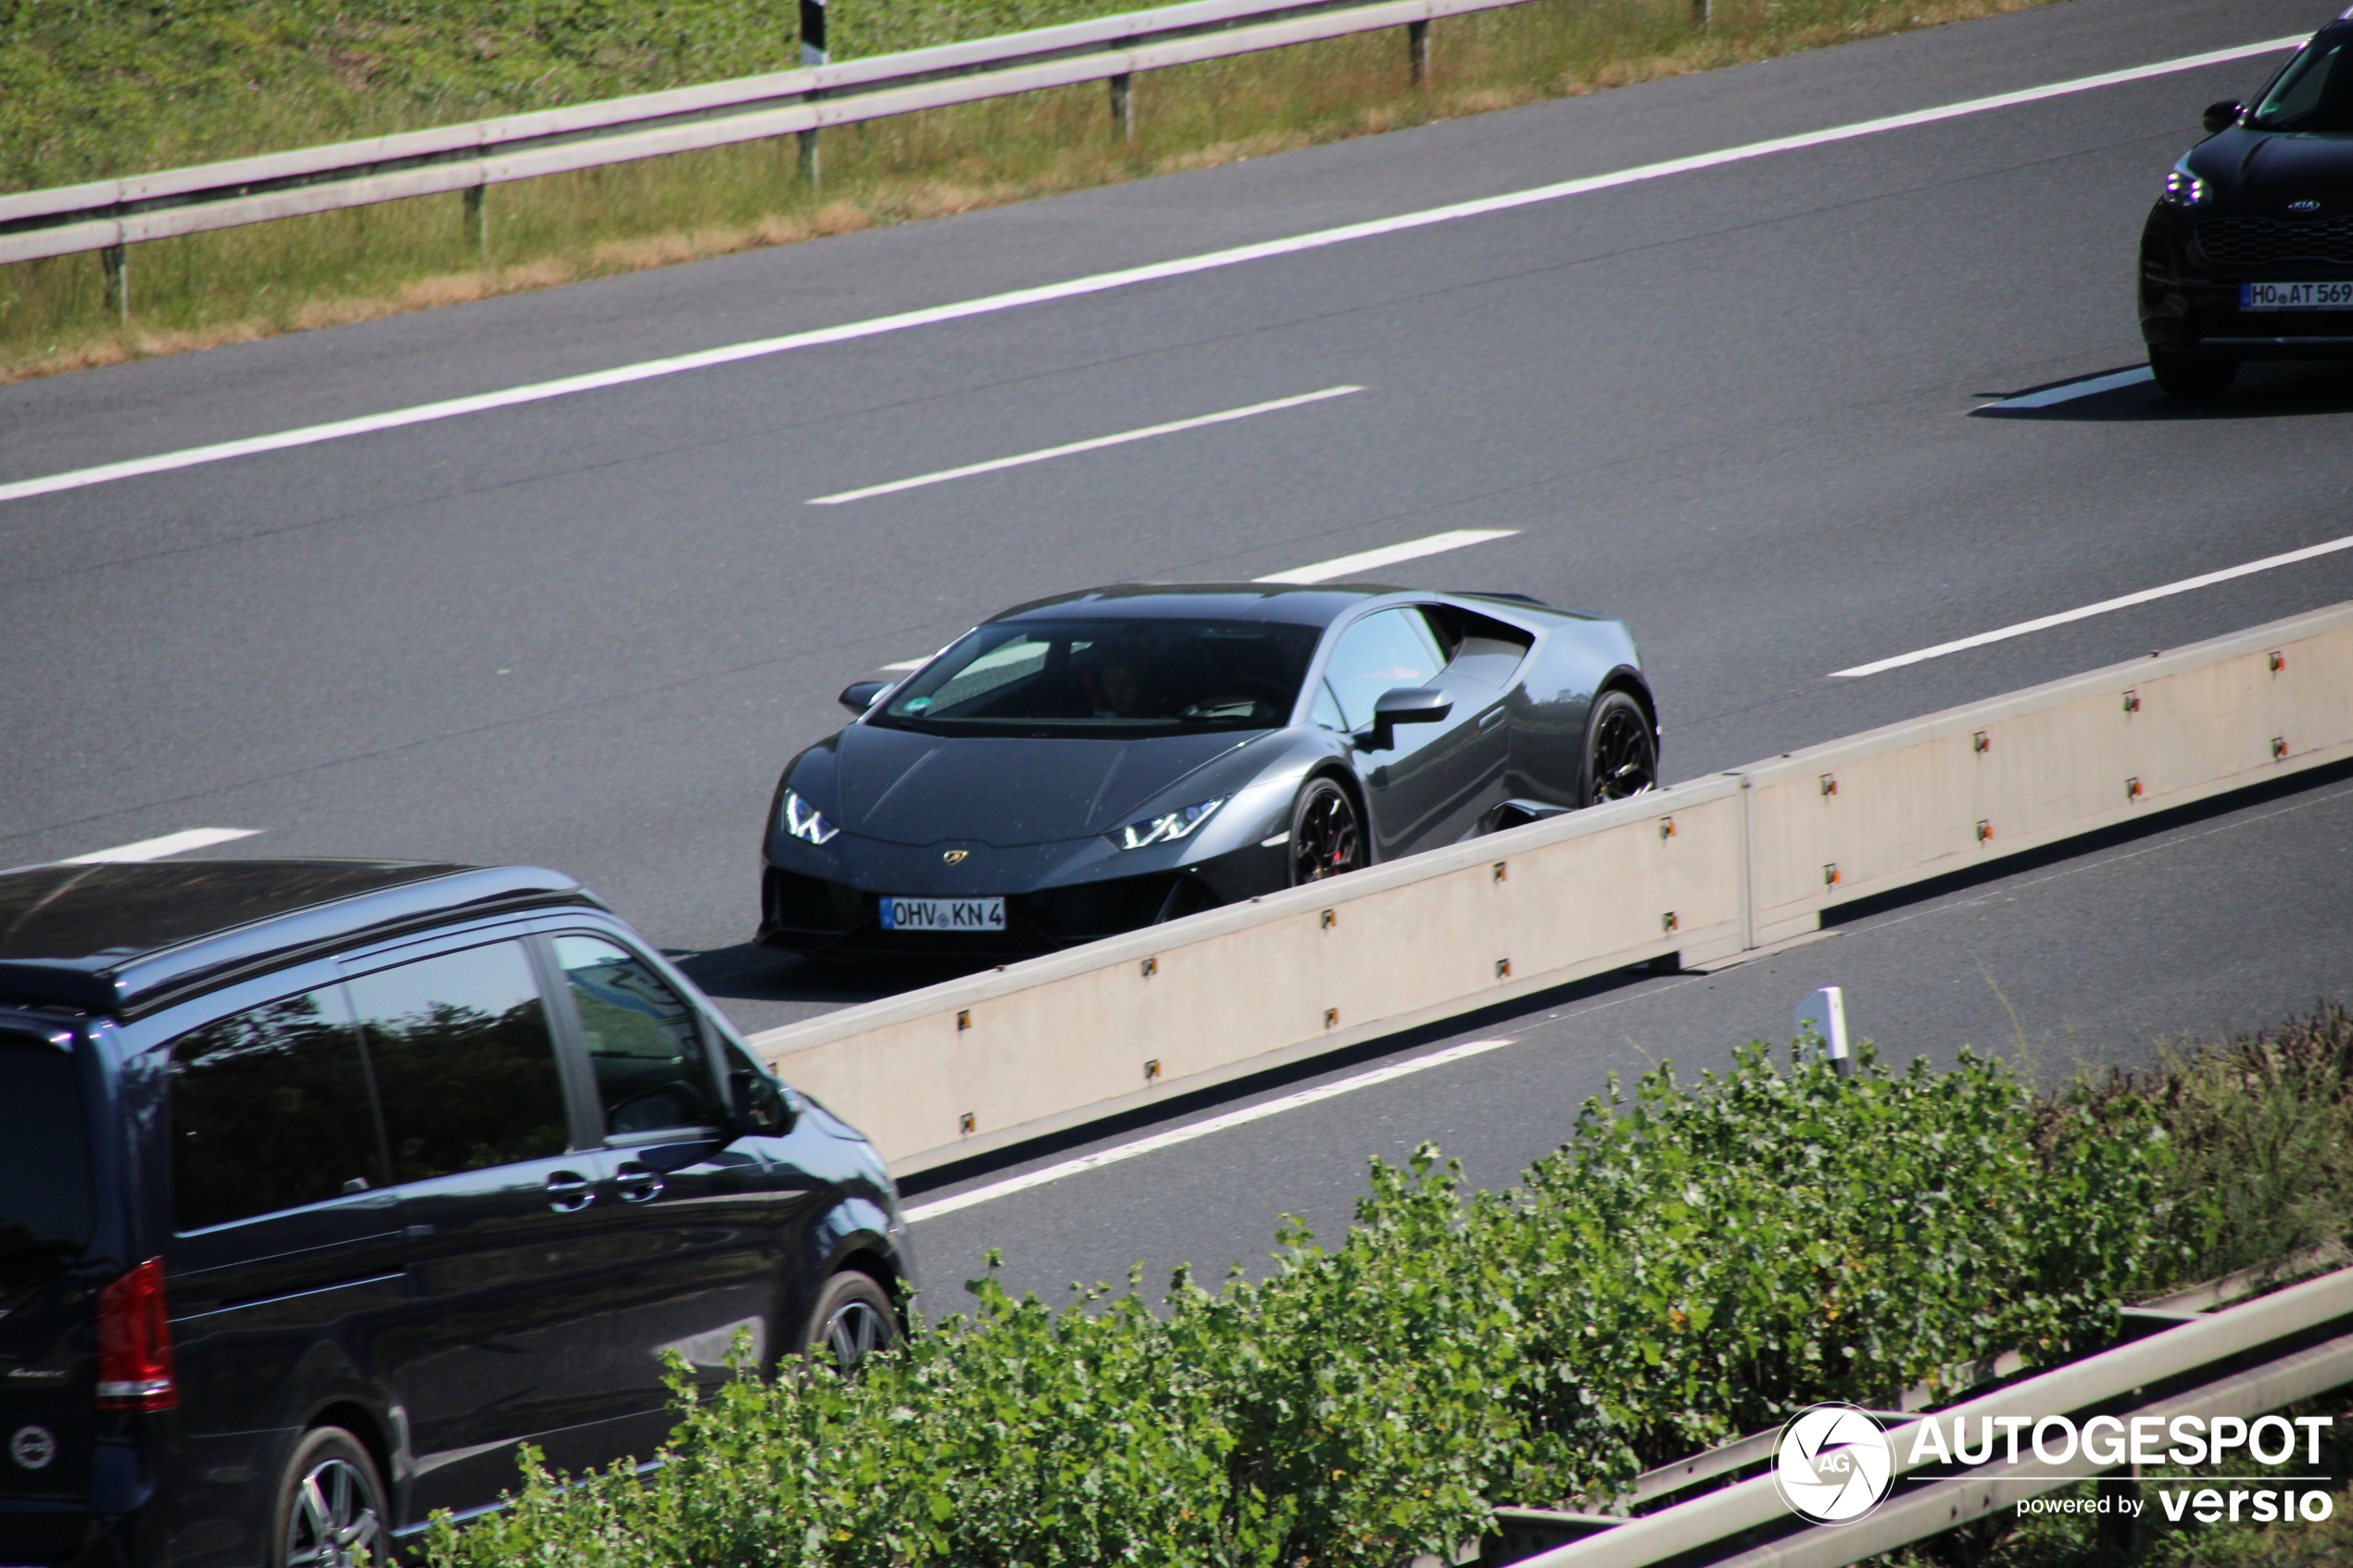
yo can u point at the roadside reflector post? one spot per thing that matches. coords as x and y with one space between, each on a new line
1123 107
1823 1015
116 267
475 225
1698 15
813 52
1417 51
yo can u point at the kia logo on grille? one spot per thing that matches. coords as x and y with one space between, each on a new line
2307 205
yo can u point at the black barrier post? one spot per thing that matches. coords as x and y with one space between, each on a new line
813 52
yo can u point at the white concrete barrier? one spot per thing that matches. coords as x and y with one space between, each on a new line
1933 796
1704 869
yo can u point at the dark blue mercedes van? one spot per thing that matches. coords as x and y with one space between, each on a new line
326 1185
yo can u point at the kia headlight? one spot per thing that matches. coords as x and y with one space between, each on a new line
1167 828
2184 189
804 821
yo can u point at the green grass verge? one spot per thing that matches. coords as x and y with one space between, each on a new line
98 87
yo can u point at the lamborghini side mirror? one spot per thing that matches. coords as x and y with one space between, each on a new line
859 696
1403 705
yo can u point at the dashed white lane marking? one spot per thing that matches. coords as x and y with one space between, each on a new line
2070 391
156 848
1101 282
1093 444
2125 601
1389 554
1175 1135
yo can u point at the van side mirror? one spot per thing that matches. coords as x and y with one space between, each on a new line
761 1105
2222 117
859 696
1403 705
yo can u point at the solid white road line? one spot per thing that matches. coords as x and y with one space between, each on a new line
156 848
2070 391
1102 281
1175 1135
2311 552
1094 443
1373 560
903 666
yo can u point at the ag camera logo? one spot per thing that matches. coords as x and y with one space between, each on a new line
33 1447
1834 1463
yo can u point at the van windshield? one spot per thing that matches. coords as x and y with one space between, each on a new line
45 1167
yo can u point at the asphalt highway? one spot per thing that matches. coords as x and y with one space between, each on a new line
1739 405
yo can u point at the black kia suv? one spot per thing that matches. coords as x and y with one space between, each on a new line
326 1185
2248 253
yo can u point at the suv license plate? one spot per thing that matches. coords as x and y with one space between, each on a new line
2295 297
943 914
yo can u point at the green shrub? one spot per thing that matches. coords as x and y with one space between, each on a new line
1700 1263
2262 1128
1695 1262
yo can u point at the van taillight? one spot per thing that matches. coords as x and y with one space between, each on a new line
135 1343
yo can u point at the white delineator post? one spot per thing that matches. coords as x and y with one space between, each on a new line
1823 1013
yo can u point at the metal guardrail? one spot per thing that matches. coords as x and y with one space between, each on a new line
105 215
2242 1361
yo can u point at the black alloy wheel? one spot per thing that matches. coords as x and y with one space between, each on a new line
330 1506
1326 837
2191 378
851 1321
1621 755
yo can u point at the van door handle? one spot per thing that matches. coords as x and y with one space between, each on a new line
1489 719
635 1183
569 1191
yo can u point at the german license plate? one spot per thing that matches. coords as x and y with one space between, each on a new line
2295 297
943 914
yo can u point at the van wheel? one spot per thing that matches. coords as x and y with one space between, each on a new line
330 1506
851 1321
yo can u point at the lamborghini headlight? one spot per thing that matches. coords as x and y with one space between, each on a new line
1167 828
804 822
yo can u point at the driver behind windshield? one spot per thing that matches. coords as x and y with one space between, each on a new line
1065 677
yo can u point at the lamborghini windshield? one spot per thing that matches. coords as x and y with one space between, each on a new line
1109 676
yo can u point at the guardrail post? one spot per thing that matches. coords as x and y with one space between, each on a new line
1123 107
808 140
1698 15
1417 51
117 268
2119 1533
477 222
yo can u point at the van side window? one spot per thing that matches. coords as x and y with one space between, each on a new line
464 1064
642 1039
268 1110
